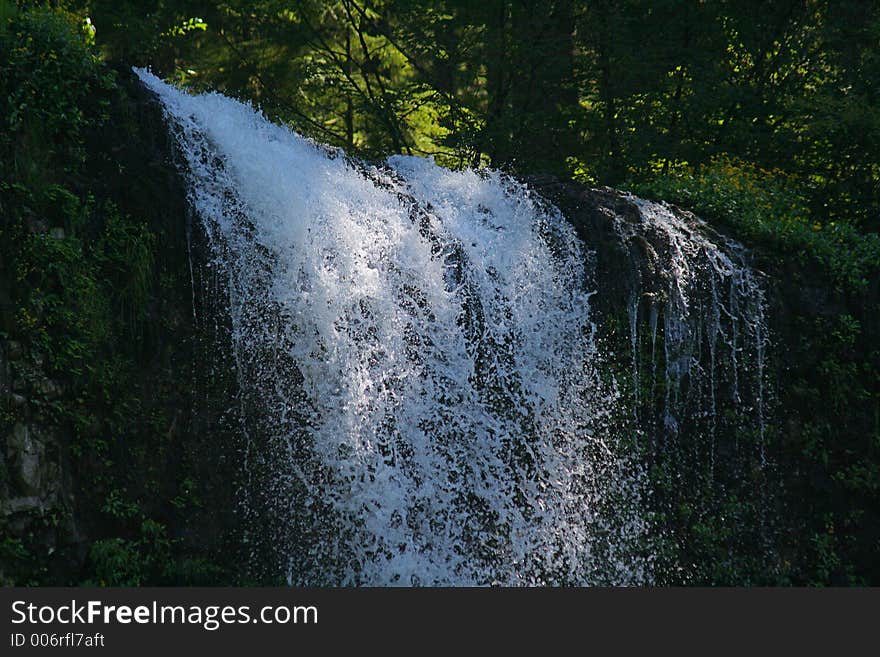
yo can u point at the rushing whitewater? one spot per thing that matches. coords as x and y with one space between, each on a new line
418 373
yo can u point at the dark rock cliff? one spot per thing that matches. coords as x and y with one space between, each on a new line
97 470
803 508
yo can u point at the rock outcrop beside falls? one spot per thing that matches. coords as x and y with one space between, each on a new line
684 314
771 477
114 465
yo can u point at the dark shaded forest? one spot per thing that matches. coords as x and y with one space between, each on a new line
763 118
608 92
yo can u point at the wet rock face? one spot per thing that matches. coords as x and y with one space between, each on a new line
50 508
36 497
26 454
33 467
598 215
683 312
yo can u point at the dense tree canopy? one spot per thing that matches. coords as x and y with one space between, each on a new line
606 91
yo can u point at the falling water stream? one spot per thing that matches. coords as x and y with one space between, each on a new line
418 371
710 306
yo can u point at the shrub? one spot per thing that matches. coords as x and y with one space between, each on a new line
770 208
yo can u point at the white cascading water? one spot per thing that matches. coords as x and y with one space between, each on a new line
419 347
713 298
710 306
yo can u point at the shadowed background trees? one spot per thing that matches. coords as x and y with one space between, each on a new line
607 91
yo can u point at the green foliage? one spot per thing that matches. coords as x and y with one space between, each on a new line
770 208
608 90
80 274
832 404
53 87
23 567
132 562
150 558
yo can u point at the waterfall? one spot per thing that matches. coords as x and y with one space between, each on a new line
416 362
713 322
696 333
421 388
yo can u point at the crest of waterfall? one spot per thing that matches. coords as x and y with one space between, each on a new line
418 376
